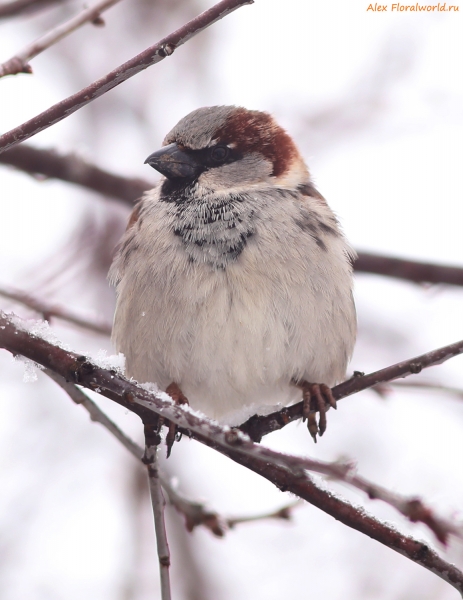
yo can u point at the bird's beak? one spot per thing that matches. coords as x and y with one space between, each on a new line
174 163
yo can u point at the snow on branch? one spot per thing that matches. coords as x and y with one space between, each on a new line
285 471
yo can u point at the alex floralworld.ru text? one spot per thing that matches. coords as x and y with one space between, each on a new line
413 7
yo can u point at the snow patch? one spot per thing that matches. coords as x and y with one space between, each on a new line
115 362
40 329
152 388
31 369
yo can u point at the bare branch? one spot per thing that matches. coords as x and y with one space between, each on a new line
286 472
19 62
411 507
358 519
52 310
11 9
195 513
148 57
409 270
256 427
152 441
284 513
95 412
72 168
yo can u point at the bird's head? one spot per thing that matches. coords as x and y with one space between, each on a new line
229 149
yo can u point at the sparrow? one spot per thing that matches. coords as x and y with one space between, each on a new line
233 278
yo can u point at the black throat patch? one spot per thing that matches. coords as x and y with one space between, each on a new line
214 230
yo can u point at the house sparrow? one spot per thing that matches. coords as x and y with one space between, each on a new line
234 281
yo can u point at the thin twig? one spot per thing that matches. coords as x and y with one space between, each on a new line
284 513
19 63
413 508
52 310
383 389
72 168
286 472
95 412
152 441
357 519
195 513
148 57
258 426
149 457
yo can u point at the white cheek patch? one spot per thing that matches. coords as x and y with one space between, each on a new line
226 191
252 172
296 175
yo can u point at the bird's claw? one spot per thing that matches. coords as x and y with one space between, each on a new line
316 397
173 435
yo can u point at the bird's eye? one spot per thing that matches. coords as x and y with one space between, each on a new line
219 153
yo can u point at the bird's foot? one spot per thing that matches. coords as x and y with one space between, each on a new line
316 397
173 434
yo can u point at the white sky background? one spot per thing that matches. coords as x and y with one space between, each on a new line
375 102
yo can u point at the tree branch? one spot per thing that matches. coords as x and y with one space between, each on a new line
95 412
385 389
258 426
72 168
148 57
152 441
19 62
282 513
360 520
195 513
11 9
410 270
52 310
286 472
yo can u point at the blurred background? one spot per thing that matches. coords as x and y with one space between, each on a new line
375 102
